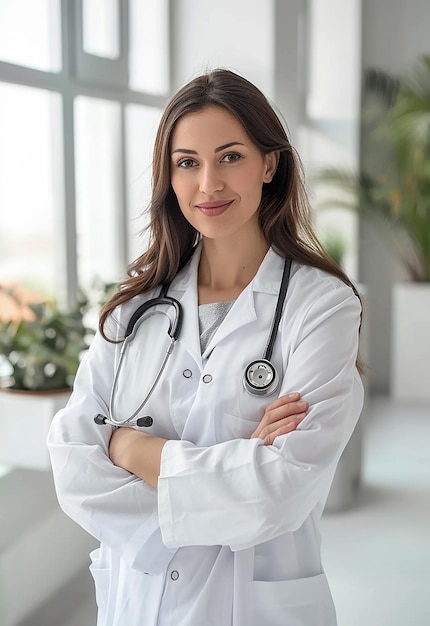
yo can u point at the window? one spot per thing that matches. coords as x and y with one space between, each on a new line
34 41
149 39
75 150
98 189
29 203
101 28
141 126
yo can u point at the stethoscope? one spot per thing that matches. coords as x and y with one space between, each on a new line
260 378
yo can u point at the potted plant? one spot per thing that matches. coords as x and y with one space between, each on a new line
40 350
393 191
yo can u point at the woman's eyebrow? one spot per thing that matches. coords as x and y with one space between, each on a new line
184 150
223 147
228 145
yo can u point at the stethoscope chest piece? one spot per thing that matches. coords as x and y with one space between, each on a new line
261 378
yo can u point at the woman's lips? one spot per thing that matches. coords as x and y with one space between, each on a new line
213 209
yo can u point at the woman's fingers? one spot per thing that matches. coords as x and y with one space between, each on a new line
289 398
277 413
281 416
282 428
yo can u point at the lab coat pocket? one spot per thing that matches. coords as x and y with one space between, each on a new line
101 575
299 602
230 426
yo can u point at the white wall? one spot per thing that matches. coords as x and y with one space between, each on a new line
330 136
334 59
261 40
234 34
394 33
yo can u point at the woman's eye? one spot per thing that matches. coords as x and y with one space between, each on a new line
186 163
231 157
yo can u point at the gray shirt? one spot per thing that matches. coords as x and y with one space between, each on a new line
210 317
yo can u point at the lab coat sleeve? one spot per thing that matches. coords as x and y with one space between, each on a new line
241 493
114 506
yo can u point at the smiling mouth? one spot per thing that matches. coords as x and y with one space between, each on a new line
214 208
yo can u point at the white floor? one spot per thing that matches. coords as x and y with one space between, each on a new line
377 553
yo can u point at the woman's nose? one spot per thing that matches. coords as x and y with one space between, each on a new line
210 180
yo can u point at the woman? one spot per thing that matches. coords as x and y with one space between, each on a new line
208 512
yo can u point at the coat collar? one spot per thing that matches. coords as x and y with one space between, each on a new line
184 288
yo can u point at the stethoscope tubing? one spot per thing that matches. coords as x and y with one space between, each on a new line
127 342
135 321
278 311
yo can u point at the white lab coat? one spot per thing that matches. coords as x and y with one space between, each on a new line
231 535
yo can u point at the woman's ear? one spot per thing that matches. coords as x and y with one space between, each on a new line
271 162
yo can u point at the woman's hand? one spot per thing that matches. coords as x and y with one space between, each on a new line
137 452
281 417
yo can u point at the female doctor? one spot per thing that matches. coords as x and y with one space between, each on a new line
207 500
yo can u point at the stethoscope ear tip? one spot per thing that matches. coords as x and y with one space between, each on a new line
145 422
100 419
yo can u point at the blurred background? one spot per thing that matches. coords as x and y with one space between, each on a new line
82 87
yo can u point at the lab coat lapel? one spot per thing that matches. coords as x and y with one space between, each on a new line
241 313
267 280
184 288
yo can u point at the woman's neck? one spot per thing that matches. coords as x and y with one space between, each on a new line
226 268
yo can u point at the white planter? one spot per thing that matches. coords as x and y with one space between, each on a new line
410 362
25 418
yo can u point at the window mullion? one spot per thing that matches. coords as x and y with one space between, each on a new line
68 235
64 83
122 216
68 291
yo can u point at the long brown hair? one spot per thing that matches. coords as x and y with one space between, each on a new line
284 212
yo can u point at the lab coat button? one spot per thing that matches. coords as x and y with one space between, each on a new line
174 575
207 378
187 373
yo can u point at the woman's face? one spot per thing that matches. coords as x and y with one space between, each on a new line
217 173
